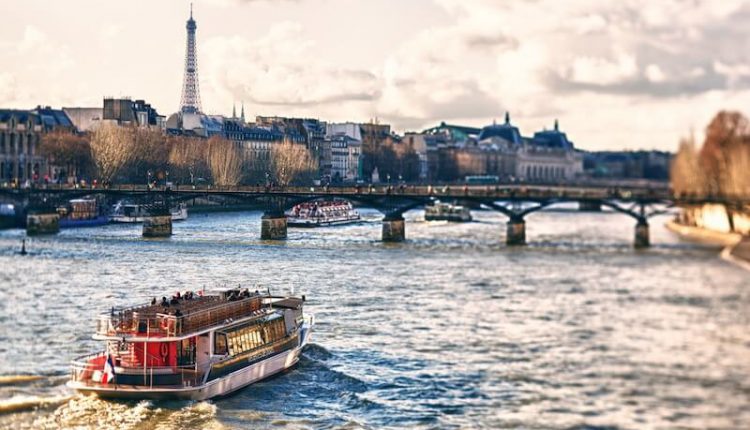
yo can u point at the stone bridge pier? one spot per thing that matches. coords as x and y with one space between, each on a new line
394 228
515 231
273 226
42 222
158 221
157 225
642 237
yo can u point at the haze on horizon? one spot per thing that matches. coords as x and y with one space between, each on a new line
627 75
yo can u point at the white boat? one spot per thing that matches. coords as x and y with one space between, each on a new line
133 213
447 212
195 347
322 213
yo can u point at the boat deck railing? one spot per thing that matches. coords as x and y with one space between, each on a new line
195 315
84 370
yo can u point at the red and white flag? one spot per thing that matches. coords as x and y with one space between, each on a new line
108 375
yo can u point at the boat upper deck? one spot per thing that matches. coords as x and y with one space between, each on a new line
184 314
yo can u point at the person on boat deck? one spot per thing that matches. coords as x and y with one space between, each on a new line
174 301
178 313
164 302
153 301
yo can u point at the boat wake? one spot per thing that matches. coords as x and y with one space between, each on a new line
23 403
89 412
314 351
198 415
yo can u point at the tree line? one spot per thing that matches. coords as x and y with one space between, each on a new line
116 154
721 166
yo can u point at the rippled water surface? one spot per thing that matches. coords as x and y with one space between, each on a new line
451 329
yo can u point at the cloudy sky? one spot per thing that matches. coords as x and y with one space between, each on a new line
619 74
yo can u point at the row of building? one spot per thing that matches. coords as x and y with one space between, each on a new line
452 152
446 152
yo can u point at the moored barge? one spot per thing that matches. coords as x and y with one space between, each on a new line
82 213
193 346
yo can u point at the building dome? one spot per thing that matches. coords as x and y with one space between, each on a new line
554 139
505 131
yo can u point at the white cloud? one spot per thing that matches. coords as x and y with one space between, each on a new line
44 61
281 70
602 71
735 73
654 73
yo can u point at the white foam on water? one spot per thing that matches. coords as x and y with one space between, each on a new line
195 415
24 403
88 412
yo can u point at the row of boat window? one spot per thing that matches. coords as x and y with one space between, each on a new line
248 338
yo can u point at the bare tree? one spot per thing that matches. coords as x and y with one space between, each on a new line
686 174
224 160
150 153
737 175
111 148
291 162
69 152
187 158
722 165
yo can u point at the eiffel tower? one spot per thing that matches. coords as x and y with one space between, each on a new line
191 96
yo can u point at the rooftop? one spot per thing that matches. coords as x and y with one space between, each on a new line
505 131
552 138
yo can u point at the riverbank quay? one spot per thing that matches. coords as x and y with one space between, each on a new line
736 246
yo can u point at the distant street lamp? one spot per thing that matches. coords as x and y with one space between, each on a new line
148 179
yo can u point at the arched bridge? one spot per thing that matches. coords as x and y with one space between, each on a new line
514 201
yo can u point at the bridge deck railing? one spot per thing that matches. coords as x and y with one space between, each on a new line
500 191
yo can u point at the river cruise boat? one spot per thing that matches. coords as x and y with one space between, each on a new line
82 213
439 211
133 213
322 213
193 346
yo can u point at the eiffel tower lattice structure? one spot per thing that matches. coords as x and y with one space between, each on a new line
191 97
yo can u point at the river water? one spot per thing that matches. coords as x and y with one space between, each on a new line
451 329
